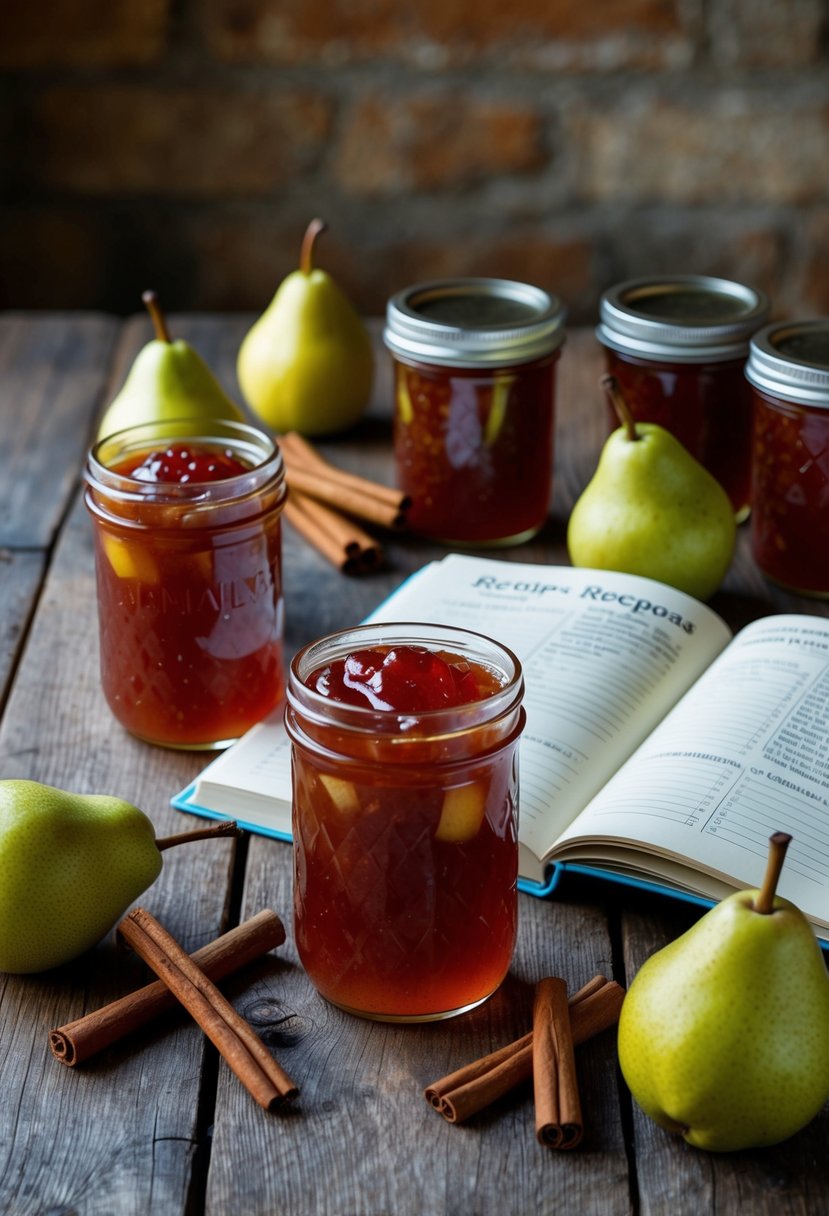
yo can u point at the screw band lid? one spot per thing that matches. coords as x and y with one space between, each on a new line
472 322
681 318
790 359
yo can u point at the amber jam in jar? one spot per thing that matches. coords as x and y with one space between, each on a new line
188 562
474 368
405 790
677 347
788 369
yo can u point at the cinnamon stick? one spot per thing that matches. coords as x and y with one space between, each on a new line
83 1038
240 1046
309 472
558 1121
338 539
477 1085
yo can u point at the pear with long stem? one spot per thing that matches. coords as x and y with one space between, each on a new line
70 864
724 1033
168 380
652 509
307 363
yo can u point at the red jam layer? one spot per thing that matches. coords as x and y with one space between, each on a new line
407 679
182 465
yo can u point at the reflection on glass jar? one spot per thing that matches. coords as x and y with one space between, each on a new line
789 371
189 579
677 346
474 366
405 819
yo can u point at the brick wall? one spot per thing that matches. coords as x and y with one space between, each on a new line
184 144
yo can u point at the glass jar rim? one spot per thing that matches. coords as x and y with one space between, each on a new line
409 726
713 334
245 440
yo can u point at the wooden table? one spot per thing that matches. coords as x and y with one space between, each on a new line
159 1125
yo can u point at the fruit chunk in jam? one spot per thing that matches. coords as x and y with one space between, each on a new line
190 598
406 864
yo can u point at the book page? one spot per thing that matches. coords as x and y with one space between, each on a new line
604 656
744 754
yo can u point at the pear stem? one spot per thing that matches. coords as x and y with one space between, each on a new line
306 253
778 844
611 386
226 827
153 306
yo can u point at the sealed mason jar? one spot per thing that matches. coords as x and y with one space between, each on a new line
405 817
187 535
677 346
788 369
474 371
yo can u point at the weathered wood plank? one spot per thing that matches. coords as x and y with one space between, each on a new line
121 1134
363 1140
20 578
53 372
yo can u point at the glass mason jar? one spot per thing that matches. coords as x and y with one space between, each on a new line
189 582
474 367
677 346
405 833
788 369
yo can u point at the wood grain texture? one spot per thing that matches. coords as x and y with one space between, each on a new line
53 376
363 1140
20 578
129 1133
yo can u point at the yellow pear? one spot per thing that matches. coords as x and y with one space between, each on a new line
70 865
167 380
307 364
724 1033
652 509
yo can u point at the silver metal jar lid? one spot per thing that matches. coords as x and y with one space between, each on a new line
463 322
681 318
790 359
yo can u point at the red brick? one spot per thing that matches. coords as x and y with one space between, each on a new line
810 296
567 34
765 33
427 142
83 33
123 140
242 254
731 146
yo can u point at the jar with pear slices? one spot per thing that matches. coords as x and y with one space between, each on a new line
474 368
187 528
405 791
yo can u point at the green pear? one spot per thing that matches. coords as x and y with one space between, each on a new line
652 509
307 364
70 865
724 1034
167 380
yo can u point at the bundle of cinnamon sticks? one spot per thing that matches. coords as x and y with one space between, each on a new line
324 503
188 980
545 1054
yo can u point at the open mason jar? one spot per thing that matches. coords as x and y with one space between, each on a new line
189 577
405 822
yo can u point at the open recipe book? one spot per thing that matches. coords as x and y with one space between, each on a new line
658 750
